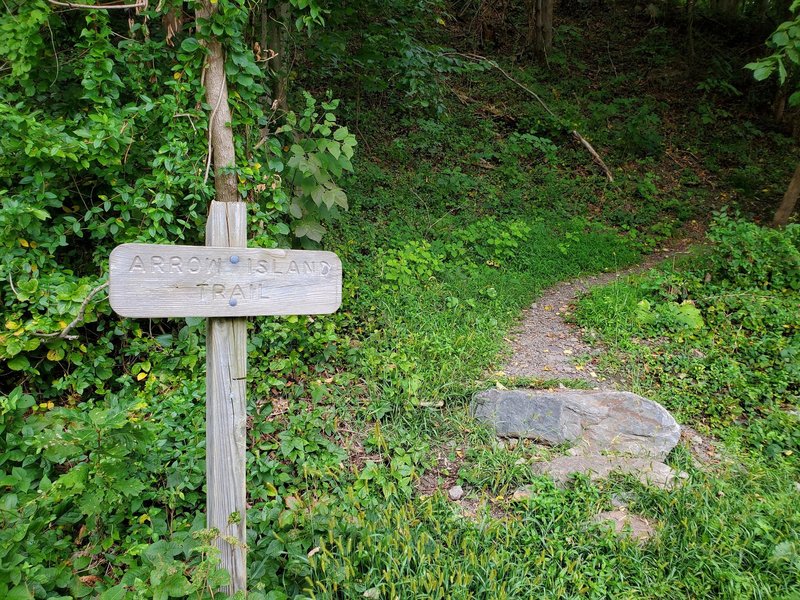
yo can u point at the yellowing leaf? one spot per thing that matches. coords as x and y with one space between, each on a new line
144 518
141 376
11 325
23 243
177 76
55 354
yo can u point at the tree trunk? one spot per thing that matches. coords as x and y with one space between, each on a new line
219 122
539 35
789 202
273 39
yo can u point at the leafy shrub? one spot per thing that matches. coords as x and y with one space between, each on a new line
777 434
721 335
412 264
492 241
524 145
748 256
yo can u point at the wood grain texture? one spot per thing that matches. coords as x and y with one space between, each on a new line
149 281
226 410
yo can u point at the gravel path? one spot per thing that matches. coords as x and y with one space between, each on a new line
545 346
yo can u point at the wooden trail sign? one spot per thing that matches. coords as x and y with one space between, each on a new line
193 281
225 281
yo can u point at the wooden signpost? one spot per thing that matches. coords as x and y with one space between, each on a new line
227 282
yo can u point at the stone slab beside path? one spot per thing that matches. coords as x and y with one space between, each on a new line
649 471
594 422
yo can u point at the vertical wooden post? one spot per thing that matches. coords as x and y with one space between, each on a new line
226 409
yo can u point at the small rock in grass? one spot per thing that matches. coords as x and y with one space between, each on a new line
621 500
626 524
521 495
456 492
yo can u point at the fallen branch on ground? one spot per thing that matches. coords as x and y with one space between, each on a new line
584 142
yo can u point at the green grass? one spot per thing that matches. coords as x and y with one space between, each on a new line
718 536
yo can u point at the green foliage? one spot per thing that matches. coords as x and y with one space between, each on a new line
747 256
414 262
458 221
633 125
720 338
314 164
390 55
730 536
785 59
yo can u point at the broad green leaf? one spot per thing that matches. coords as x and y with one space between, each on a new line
190 44
762 72
19 363
340 134
118 592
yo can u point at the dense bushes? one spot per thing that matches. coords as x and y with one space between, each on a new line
719 336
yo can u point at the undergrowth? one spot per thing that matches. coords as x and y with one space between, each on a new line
717 338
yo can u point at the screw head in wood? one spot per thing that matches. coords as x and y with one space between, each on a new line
234 259
232 302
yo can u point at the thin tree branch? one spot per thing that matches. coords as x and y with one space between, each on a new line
137 4
63 334
584 142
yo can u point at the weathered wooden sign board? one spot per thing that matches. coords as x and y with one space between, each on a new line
225 281
148 280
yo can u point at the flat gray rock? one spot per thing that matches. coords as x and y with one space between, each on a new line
594 421
647 470
456 492
625 524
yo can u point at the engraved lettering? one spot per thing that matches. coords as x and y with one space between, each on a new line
325 268
202 287
309 267
213 266
237 290
263 267
157 263
194 265
293 268
137 266
175 265
217 290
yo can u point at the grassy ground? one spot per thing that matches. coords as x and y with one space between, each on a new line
458 222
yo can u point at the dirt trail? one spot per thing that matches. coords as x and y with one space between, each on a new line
545 346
